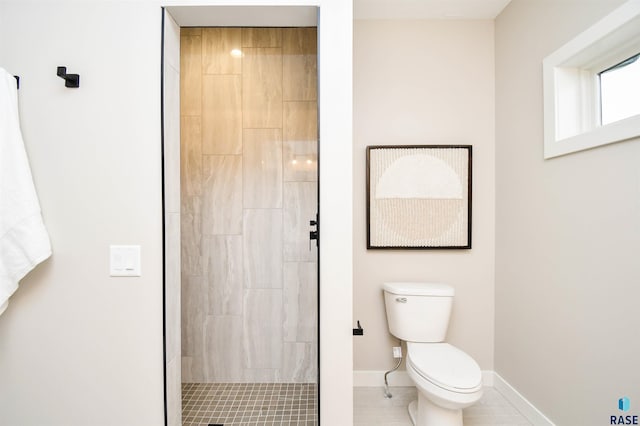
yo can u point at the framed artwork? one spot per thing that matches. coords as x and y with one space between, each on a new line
419 197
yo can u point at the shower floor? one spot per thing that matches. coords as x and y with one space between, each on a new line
249 404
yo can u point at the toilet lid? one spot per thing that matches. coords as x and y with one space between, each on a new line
445 366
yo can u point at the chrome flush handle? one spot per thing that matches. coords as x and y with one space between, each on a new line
401 299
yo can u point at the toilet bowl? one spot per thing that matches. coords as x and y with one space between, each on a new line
447 379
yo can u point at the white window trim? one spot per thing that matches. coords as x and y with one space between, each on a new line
570 78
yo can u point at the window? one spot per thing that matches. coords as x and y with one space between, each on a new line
620 91
592 85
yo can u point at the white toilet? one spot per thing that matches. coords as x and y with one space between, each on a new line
447 379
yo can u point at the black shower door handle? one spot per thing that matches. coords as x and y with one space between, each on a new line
314 234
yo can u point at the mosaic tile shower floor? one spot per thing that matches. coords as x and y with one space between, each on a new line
249 404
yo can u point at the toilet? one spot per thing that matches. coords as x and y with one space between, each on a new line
447 379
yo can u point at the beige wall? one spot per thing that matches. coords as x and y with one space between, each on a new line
568 231
425 82
77 346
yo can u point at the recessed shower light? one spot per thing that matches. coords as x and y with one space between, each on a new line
236 53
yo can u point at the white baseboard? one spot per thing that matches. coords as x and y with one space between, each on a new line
527 409
487 378
374 378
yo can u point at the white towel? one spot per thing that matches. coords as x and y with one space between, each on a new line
24 241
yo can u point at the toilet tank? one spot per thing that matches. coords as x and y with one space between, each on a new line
418 312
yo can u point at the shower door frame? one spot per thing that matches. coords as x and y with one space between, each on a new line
336 350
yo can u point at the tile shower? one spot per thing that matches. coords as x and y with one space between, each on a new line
248 190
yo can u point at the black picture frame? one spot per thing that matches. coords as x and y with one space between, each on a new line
430 212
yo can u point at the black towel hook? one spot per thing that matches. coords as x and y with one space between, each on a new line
70 80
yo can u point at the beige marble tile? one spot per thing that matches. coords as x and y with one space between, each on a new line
223 348
189 31
299 49
223 266
262 37
300 141
241 301
190 156
299 208
217 47
262 248
194 311
221 114
300 121
262 375
300 161
262 326
190 74
300 363
300 301
262 88
222 195
262 168
187 376
197 366
191 235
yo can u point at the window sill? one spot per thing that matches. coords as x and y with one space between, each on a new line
571 95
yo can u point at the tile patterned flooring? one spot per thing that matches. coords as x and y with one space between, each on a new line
289 404
372 408
249 404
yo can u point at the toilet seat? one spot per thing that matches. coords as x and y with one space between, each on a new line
445 366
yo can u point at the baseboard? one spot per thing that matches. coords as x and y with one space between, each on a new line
527 409
374 378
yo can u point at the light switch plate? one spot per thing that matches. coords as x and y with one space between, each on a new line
125 261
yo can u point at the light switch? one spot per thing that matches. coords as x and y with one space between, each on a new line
125 261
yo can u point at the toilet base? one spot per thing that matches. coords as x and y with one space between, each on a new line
423 412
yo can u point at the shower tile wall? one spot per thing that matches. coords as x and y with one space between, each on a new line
248 176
